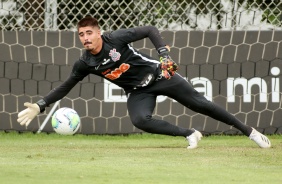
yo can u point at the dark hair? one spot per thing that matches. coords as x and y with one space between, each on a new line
88 21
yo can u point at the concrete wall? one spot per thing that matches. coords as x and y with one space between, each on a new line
33 63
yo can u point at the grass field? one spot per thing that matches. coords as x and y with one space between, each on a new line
41 158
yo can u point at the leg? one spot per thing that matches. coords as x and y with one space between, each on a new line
141 106
189 97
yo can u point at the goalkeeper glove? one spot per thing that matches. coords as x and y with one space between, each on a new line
168 66
32 110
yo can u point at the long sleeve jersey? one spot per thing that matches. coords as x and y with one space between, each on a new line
117 62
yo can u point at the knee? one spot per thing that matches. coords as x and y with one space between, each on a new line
141 121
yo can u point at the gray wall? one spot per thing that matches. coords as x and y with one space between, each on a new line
32 63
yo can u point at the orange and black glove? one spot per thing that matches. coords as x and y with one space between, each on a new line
168 66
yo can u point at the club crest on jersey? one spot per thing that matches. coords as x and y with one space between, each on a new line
114 55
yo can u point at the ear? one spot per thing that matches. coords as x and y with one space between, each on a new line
99 32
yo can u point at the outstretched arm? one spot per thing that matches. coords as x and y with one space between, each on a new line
58 93
168 66
152 33
32 110
126 36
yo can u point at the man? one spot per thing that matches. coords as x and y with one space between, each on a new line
143 78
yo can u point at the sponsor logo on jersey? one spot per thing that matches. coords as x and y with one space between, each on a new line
118 71
148 79
105 72
114 55
106 61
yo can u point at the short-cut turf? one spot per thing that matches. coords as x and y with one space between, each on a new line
52 158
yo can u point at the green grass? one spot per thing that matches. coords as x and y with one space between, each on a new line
41 158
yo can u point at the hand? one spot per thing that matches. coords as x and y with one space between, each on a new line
165 74
27 115
168 66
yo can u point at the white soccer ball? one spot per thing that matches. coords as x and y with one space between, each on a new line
65 121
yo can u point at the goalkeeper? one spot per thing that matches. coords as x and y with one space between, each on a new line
142 77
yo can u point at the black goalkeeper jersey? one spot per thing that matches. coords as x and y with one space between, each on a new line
117 62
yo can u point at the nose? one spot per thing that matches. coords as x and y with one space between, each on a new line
86 40
85 37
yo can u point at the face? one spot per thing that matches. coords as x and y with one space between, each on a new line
90 38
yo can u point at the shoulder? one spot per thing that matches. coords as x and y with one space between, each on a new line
81 62
79 70
85 59
119 33
85 56
120 36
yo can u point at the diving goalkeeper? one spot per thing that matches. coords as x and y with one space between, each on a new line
142 77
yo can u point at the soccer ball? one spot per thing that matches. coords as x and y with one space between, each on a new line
65 121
